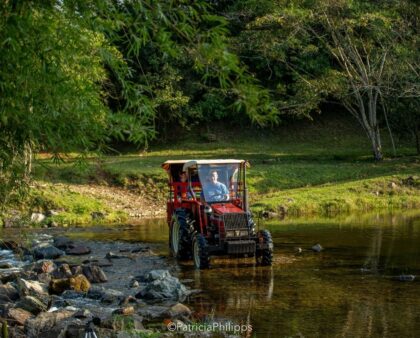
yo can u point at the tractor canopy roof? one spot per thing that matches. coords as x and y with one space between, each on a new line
193 163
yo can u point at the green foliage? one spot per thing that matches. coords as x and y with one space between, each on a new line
76 73
293 48
50 82
181 60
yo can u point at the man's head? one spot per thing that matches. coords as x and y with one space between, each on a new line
214 176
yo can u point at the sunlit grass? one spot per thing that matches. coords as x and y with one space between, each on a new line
326 168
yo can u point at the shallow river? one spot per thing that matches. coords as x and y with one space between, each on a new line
350 289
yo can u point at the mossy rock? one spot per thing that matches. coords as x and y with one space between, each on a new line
77 283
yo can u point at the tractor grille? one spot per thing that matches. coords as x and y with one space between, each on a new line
234 221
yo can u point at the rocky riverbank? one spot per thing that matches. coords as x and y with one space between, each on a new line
57 287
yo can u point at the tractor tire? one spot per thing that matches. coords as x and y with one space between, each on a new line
179 236
201 256
264 257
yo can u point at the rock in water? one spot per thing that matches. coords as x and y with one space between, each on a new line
107 296
19 316
47 322
33 288
10 291
405 278
31 304
63 243
63 271
46 251
161 285
178 310
44 266
78 283
78 250
94 274
317 248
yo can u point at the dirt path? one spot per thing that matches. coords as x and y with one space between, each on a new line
135 204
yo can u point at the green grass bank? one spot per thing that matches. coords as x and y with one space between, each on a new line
322 167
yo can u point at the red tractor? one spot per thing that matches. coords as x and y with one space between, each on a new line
208 213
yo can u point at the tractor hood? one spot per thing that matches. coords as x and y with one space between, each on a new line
223 208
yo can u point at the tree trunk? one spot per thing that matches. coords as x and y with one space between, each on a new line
376 145
27 153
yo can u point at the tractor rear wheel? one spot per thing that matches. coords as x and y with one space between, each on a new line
200 252
264 257
179 237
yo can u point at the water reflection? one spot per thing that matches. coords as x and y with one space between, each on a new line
347 290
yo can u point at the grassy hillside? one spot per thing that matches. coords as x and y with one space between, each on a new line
300 168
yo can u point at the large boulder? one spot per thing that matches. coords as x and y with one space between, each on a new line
161 285
47 251
94 274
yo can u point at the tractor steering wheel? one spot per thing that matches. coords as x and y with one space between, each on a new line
224 197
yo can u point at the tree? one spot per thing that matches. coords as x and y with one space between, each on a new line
310 52
75 73
50 82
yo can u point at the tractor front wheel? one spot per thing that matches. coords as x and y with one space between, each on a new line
179 236
265 256
200 252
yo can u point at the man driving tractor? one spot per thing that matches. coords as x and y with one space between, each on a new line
215 190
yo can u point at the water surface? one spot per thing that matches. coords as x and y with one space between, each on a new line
347 290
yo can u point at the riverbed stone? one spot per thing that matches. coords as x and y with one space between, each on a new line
31 304
46 266
77 283
46 325
6 265
78 250
317 248
9 245
105 295
19 316
33 288
178 310
94 274
124 311
63 242
63 271
153 311
83 313
44 278
161 285
405 278
9 291
47 251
